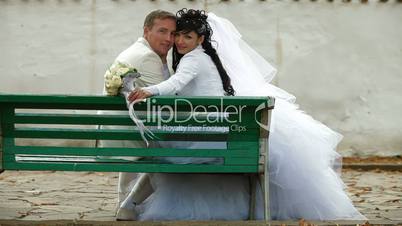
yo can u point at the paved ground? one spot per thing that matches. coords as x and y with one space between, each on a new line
92 196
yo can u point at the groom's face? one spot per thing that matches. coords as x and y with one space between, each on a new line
161 35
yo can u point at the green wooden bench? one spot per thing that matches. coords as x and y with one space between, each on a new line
38 133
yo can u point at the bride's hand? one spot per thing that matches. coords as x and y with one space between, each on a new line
138 94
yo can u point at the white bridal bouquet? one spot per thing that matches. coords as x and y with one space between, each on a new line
114 77
120 79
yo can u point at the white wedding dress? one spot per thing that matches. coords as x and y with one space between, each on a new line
303 157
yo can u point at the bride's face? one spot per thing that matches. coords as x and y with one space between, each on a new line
185 42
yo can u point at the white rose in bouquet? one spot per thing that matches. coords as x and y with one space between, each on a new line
114 77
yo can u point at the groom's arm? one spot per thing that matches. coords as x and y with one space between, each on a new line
151 70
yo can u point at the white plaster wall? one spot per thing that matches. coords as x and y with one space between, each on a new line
342 60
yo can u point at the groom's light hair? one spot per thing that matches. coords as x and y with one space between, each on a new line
157 14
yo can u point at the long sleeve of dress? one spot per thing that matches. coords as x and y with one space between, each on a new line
186 71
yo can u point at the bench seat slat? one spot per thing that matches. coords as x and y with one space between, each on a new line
109 151
242 160
130 167
109 134
84 159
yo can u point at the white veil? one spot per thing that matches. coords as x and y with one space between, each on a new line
302 150
249 72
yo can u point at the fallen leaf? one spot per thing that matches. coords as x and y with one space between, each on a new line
81 215
366 224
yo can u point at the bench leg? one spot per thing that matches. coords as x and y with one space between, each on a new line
264 178
253 186
1 155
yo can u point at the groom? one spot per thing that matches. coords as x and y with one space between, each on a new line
149 56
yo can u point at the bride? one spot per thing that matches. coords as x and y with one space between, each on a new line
303 180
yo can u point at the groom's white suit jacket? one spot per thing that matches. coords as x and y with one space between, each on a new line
140 56
145 60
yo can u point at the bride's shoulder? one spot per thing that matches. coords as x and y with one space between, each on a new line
196 54
193 60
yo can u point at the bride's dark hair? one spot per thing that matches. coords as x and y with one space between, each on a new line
196 20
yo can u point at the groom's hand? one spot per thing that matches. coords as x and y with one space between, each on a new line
138 94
